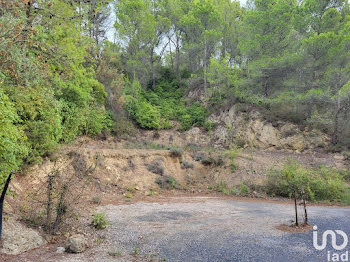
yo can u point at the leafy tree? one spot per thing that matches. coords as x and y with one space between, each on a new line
13 146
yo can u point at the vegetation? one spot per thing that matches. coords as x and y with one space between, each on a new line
49 92
171 64
241 190
287 58
156 167
322 184
167 182
187 165
99 221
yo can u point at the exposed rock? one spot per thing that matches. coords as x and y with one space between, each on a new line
196 136
76 244
221 135
17 238
253 130
60 250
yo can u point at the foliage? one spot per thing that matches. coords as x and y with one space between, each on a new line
232 154
47 73
153 109
209 125
99 221
156 167
322 184
187 165
13 144
244 190
176 152
213 160
167 182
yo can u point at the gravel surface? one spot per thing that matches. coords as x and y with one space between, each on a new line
208 230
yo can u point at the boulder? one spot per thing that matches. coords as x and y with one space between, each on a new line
76 244
60 250
17 238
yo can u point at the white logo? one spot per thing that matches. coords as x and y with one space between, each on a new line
332 256
333 238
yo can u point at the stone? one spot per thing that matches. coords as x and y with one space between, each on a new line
60 250
18 238
76 244
249 128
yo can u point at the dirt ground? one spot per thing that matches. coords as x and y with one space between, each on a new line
120 179
200 229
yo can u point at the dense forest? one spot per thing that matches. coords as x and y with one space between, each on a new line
60 77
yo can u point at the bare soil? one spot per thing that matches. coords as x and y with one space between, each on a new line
121 178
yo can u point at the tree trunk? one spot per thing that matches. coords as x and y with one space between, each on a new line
296 208
171 55
2 199
153 70
266 87
305 211
205 63
49 202
336 123
178 73
61 209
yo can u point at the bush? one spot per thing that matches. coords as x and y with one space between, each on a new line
153 109
166 182
322 184
99 221
176 152
186 165
186 122
244 190
156 167
97 120
147 116
209 125
199 156
198 114
232 154
215 160
223 188
12 138
41 119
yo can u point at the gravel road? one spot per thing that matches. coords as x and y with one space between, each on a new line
212 229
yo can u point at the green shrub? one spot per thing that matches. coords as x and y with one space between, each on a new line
186 122
232 154
13 146
198 114
209 125
96 121
213 160
327 184
167 182
41 119
186 165
199 156
321 184
244 190
99 221
223 188
147 116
